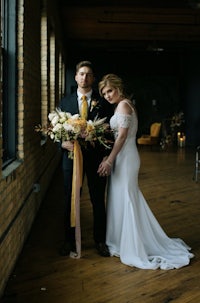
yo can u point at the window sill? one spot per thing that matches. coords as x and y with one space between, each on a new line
11 168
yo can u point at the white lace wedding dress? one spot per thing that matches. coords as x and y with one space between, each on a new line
133 233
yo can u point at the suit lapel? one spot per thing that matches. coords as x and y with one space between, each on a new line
74 108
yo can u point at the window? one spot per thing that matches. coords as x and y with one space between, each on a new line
44 69
61 76
52 71
9 114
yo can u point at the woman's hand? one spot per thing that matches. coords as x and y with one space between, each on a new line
69 145
104 168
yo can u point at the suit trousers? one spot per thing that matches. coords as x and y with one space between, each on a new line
96 187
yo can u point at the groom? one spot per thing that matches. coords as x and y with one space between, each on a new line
92 157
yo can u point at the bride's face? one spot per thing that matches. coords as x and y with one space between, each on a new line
111 94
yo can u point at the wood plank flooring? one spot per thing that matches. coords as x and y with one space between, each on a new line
42 276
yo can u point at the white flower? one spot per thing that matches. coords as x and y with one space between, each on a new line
62 114
68 115
75 117
68 127
52 115
55 120
62 119
57 127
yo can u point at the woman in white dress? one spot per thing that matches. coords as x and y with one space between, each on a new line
133 233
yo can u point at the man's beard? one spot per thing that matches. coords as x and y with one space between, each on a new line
85 85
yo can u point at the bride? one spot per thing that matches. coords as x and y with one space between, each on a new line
133 232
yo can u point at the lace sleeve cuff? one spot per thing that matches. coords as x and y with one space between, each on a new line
123 120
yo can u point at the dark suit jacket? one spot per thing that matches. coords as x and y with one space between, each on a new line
102 109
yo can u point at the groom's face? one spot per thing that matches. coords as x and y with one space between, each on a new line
84 77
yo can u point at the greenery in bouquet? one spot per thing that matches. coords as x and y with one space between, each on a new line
98 131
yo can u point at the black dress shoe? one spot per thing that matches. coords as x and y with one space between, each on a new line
102 249
66 248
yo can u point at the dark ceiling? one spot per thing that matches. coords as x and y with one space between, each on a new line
129 25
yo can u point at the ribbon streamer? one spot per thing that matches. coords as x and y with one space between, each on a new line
77 180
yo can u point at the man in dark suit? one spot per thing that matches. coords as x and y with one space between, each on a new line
92 157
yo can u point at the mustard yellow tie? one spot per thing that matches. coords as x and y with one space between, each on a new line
84 107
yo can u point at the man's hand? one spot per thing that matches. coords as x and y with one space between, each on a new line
69 145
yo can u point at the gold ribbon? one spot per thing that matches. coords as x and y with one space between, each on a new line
77 180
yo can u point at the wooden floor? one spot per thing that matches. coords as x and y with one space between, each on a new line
42 276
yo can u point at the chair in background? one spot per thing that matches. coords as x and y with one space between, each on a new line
197 163
153 137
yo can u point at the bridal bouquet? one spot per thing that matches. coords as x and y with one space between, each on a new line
64 126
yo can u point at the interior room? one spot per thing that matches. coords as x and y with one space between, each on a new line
154 46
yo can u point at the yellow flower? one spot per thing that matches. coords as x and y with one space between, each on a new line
79 122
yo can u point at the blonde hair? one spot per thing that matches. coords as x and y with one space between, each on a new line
112 80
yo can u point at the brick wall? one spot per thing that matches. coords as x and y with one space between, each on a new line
36 163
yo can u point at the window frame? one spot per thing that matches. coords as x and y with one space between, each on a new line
9 81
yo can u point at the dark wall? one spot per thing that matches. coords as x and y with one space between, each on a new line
172 79
191 88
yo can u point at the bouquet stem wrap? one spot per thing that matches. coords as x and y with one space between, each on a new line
77 180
